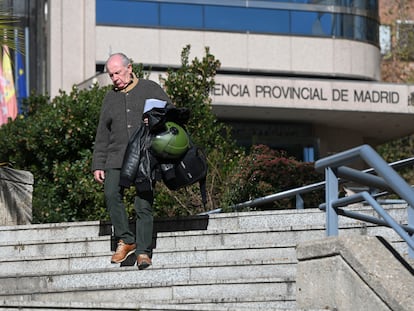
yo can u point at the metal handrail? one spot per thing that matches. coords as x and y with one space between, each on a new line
386 178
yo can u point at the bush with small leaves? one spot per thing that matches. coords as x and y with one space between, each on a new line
265 171
53 140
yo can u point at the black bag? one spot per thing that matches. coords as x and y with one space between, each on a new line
191 168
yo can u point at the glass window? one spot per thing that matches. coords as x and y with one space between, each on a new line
124 12
312 23
372 31
246 19
181 15
242 18
344 25
370 5
293 1
360 27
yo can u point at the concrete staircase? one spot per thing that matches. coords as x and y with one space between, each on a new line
236 261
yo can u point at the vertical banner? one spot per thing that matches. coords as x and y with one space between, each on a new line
9 91
20 80
3 108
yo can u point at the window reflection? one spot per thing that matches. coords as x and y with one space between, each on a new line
242 19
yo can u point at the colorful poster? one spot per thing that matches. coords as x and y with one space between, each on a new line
3 108
9 93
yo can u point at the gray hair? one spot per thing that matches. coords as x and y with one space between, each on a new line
125 60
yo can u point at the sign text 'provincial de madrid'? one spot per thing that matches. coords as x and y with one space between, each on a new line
322 94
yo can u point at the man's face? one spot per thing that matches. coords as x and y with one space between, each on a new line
119 74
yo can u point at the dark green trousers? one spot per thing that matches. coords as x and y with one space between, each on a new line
119 217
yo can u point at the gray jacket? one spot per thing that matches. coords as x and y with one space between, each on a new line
121 116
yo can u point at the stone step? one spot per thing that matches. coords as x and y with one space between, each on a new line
131 277
217 255
193 240
237 261
106 306
176 248
56 247
49 232
166 242
162 259
311 218
128 306
27 266
225 284
184 241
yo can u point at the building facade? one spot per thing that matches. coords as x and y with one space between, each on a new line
299 75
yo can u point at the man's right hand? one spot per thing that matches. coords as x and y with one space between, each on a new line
99 176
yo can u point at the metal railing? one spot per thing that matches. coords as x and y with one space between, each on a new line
386 181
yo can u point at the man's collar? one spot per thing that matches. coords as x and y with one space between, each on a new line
132 83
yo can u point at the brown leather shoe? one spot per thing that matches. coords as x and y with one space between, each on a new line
123 250
143 261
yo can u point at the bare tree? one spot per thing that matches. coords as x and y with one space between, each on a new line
398 67
398 63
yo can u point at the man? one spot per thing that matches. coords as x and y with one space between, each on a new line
121 114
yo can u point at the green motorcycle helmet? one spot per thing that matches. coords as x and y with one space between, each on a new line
172 143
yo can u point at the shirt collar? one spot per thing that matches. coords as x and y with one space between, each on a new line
132 83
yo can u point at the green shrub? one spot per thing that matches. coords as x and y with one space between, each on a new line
265 171
53 140
189 86
396 150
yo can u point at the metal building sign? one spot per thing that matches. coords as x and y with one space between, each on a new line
312 94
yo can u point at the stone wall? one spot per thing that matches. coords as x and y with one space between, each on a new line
353 273
15 197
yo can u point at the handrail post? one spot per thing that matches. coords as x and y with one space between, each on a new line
410 216
331 195
300 204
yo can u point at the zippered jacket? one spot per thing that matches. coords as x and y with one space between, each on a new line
139 165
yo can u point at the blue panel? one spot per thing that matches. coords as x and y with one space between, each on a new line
292 1
312 23
308 154
372 34
365 29
181 15
246 19
347 27
371 5
124 12
356 28
327 22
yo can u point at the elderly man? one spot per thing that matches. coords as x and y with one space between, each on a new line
121 114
